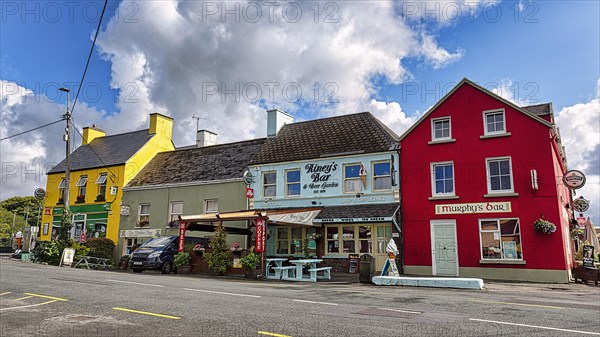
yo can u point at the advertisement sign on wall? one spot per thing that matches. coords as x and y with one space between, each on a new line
260 236
473 208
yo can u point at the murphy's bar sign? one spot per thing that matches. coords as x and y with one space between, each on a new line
473 208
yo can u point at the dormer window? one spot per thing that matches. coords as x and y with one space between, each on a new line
440 129
494 122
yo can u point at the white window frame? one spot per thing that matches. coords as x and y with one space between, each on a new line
82 184
172 213
353 178
432 169
489 178
206 203
61 189
494 112
441 119
373 163
264 186
101 182
145 215
356 238
287 183
499 231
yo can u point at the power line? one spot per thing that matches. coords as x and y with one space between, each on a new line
94 152
87 63
39 127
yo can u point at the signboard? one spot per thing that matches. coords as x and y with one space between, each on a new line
588 256
67 257
574 179
182 228
320 177
353 261
581 221
371 219
474 208
39 193
260 236
581 205
125 210
248 177
47 211
249 193
510 249
139 233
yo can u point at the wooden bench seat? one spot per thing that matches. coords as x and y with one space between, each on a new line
326 273
284 272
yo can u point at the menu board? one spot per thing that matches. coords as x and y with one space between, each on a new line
588 256
353 261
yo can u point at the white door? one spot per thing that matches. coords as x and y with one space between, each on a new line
444 250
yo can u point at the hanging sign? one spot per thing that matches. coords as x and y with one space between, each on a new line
182 228
574 179
248 178
39 193
260 236
249 193
581 221
581 205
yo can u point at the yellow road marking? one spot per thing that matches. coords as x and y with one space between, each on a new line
48 297
6 293
520 304
272 334
30 305
23 298
147 313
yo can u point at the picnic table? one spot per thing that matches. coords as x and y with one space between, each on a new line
91 262
277 265
311 268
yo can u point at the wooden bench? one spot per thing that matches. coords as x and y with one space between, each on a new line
91 262
284 272
326 273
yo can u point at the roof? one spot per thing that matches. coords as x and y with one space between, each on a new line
539 109
328 137
485 91
210 163
358 211
106 151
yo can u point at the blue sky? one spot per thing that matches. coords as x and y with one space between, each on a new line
393 58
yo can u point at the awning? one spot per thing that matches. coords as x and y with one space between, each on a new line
358 213
301 218
224 216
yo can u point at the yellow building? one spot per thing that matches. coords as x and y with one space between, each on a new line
100 168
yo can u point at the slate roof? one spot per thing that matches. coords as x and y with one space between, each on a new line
216 162
358 211
106 151
539 109
328 137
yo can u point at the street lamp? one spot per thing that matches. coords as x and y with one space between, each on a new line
67 140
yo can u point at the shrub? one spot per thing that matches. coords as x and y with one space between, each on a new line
250 261
80 249
182 259
101 247
49 251
219 257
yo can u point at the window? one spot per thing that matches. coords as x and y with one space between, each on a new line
442 179
291 240
352 239
81 183
292 182
210 206
175 210
130 245
101 182
384 234
282 240
61 190
269 184
144 216
382 176
500 239
352 178
440 128
493 122
499 174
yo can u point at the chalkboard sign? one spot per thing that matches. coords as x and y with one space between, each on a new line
588 256
353 263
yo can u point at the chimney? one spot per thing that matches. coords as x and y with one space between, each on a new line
205 138
161 125
276 119
90 133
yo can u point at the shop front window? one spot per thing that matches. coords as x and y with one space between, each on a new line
365 242
282 240
333 244
353 239
500 239
296 247
131 244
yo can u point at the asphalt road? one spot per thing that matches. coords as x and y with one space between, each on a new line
38 300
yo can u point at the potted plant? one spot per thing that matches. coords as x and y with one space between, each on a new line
250 263
80 198
544 226
100 197
182 262
198 249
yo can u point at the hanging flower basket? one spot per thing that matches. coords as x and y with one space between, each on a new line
544 226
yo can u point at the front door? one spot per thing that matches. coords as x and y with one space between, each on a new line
444 250
384 234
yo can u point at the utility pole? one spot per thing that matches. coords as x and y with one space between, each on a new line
66 228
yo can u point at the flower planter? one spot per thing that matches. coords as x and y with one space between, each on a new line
199 252
251 274
184 270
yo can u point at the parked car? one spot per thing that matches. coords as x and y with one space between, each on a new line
158 254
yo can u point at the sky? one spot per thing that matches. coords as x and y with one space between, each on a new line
227 62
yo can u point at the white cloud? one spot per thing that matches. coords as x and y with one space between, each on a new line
579 127
391 114
506 89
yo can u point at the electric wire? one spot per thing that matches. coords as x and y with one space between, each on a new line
37 128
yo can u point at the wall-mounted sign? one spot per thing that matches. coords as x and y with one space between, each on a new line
363 200
125 210
475 207
47 210
574 179
39 193
581 205
371 219
260 236
139 233
320 176
249 193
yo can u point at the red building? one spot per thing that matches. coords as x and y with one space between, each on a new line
476 172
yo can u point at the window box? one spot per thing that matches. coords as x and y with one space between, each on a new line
100 197
60 201
80 199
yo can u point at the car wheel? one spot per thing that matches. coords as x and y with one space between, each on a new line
166 267
137 270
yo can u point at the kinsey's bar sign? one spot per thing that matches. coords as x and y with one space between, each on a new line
476 207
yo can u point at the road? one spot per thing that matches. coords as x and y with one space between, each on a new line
38 300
